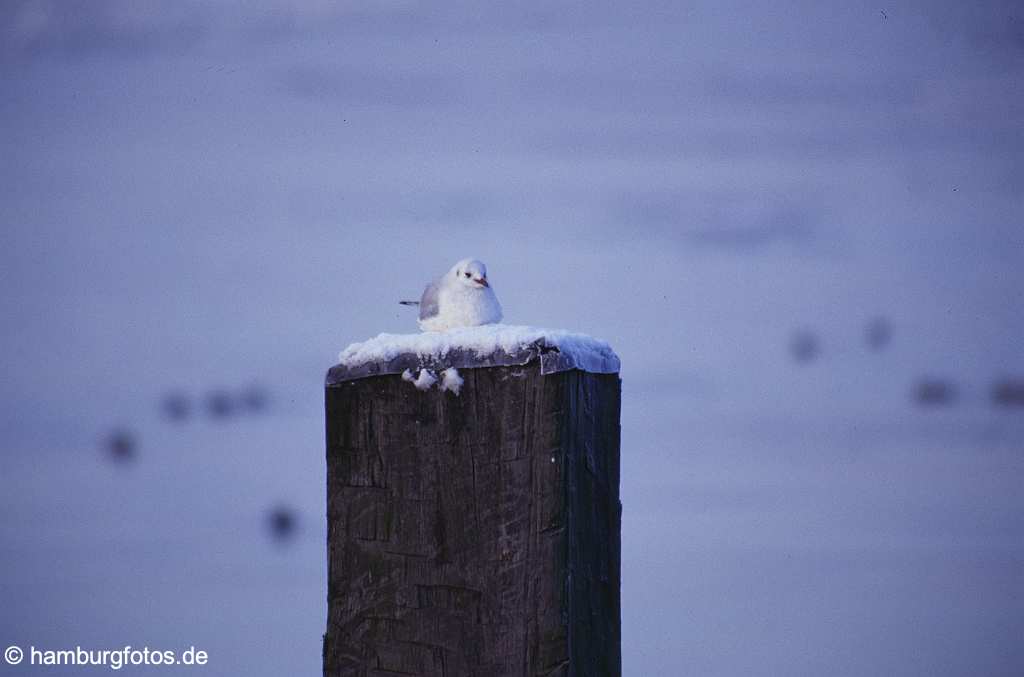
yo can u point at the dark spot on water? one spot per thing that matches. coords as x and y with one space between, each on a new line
175 406
120 445
804 346
933 392
282 523
254 398
220 404
1008 393
878 333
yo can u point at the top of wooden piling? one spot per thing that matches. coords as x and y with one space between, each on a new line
485 346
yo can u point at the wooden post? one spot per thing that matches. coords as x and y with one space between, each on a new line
474 534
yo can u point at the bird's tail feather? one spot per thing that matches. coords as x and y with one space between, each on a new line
409 303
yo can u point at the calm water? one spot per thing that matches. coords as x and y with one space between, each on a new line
200 199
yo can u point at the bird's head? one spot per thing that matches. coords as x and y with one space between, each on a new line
470 273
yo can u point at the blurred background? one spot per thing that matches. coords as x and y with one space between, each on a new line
801 226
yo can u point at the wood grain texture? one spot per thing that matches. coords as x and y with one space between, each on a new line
476 534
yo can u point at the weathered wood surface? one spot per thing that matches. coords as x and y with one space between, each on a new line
476 534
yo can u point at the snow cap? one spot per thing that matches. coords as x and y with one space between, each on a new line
467 347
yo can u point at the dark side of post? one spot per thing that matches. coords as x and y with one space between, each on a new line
474 533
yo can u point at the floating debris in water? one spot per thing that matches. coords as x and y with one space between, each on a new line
804 346
878 333
121 445
176 406
282 523
934 392
220 404
1008 393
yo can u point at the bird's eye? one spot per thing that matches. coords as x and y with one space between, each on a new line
467 274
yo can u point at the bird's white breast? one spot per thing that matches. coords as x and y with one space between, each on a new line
462 306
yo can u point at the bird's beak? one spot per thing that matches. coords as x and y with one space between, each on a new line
481 280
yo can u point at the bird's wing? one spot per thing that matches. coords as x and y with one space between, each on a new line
428 302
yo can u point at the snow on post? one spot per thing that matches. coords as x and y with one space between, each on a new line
473 505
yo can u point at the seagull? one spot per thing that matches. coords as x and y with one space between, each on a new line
462 297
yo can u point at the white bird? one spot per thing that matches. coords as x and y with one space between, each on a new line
462 297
